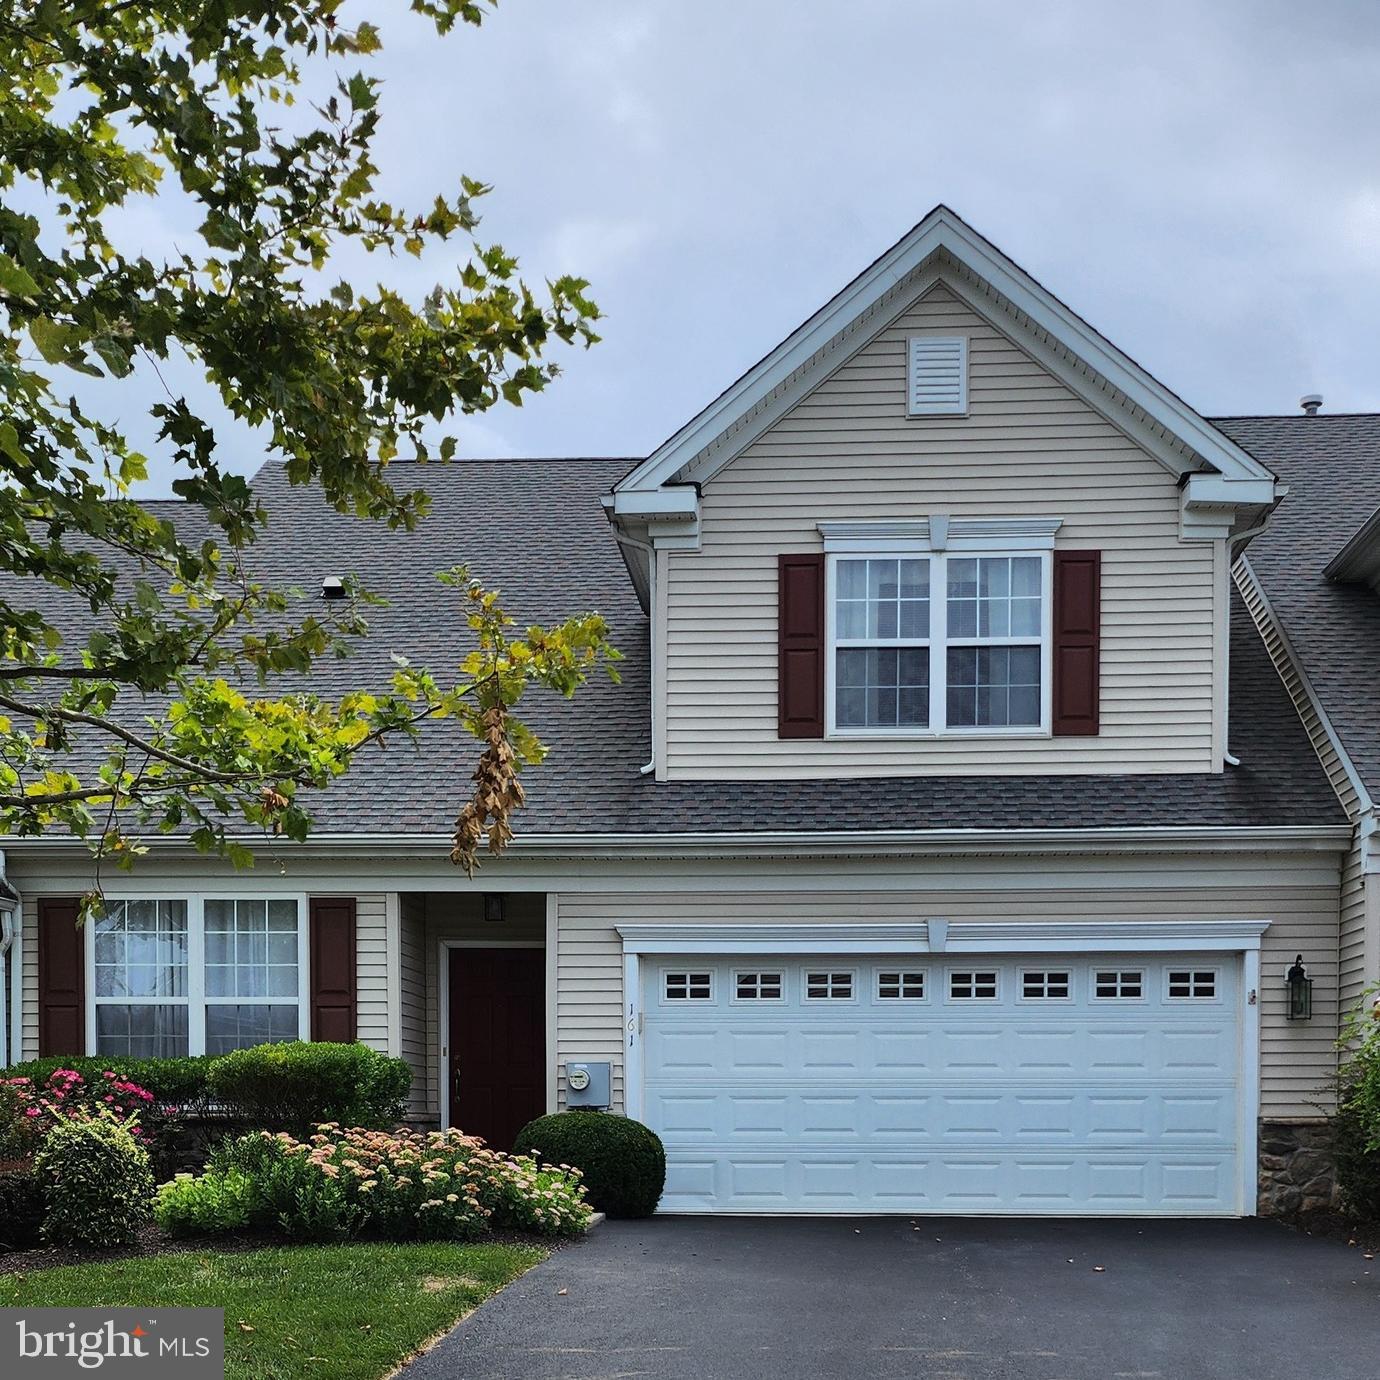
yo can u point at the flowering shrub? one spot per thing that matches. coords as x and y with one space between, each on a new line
97 1185
29 1110
438 1185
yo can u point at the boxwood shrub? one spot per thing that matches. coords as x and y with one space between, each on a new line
623 1161
298 1085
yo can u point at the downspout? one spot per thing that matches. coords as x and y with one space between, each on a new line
1232 543
624 540
11 927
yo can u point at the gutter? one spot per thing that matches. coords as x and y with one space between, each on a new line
1329 838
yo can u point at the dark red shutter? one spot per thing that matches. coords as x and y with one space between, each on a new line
800 647
333 986
61 978
1077 641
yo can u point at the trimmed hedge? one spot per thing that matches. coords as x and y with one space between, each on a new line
623 1161
299 1085
179 1083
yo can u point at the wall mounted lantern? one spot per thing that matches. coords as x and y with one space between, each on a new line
494 910
1300 987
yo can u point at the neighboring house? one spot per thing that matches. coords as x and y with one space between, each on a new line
967 797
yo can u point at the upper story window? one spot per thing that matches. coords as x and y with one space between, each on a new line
946 642
196 975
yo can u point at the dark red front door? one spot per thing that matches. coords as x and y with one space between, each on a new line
497 1041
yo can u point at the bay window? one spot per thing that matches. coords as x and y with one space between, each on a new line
949 642
196 975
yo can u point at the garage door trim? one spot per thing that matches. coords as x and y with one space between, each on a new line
936 936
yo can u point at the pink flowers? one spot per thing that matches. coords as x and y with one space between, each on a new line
28 1112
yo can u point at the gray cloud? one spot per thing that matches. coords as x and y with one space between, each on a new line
1200 181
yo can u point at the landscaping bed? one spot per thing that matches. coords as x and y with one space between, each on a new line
348 1312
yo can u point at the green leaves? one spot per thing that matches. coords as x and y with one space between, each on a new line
163 666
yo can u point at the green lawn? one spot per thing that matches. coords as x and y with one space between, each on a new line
328 1312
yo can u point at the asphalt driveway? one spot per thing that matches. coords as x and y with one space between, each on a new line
939 1298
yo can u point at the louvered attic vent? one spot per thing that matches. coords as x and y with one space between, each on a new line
937 376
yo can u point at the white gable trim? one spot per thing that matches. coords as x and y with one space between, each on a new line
901 268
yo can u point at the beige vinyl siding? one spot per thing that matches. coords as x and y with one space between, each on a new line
29 970
1358 955
1029 447
1297 1059
412 997
457 916
371 970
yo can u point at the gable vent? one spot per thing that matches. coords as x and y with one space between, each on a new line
937 376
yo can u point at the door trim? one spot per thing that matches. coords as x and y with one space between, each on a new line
443 946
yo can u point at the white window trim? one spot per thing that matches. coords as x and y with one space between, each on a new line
196 999
937 644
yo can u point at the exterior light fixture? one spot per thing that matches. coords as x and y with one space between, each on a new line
1300 987
494 909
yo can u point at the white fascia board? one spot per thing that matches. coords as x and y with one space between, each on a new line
1359 559
653 505
943 230
1324 838
1220 489
949 937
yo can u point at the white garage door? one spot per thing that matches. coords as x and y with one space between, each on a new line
1005 1085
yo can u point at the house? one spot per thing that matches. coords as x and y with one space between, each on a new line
995 733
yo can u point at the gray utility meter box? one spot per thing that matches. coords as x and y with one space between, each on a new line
588 1085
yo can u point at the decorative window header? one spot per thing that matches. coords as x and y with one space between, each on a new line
939 532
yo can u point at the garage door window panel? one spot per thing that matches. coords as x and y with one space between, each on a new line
679 985
1119 984
1191 984
759 985
829 984
901 984
974 984
1046 984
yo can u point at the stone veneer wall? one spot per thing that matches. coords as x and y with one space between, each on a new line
1298 1176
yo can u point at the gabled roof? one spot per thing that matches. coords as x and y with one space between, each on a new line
1331 464
943 244
536 529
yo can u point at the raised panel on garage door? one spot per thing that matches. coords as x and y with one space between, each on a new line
943 1084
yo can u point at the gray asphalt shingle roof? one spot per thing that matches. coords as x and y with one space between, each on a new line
1331 464
536 528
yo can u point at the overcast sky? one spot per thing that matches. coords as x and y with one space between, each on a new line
1201 181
